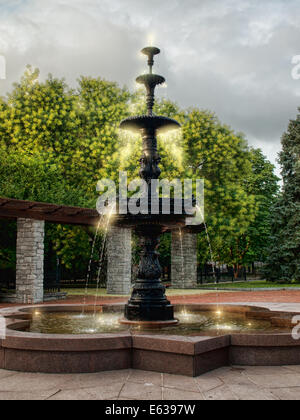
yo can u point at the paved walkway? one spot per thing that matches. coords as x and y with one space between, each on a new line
276 297
230 383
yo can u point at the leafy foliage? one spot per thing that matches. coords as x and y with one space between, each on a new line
283 263
57 142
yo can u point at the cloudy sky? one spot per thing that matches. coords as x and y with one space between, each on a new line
230 56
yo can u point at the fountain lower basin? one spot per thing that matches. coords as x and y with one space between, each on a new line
245 335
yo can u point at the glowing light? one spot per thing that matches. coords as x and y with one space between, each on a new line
227 327
81 316
219 313
172 143
151 39
185 315
91 330
37 313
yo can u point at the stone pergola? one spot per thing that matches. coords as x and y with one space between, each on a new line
31 218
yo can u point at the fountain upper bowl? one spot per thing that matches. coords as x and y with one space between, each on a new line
156 123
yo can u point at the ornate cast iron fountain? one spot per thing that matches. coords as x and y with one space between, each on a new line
148 302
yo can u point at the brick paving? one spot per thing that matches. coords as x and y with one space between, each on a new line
280 296
228 383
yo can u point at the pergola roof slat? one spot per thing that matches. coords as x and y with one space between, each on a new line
12 208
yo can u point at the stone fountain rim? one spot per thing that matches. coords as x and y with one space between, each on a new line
18 315
185 355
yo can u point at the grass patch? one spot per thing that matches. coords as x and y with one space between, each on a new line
189 292
90 292
103 293
252 285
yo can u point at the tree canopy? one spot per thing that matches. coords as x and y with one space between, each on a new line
56 142
283 262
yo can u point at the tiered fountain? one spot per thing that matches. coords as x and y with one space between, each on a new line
59 339
148 303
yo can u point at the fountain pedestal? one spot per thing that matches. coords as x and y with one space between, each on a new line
148 301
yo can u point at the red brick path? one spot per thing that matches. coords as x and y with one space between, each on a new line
280 296
283 296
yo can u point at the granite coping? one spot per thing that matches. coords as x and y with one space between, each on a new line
18 318
188 355
178 344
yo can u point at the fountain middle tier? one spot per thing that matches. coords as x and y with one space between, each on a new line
168 213
155 123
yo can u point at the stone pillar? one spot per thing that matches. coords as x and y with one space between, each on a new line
119 261
184 260
30 261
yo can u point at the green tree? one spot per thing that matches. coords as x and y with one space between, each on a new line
216 154
262 183
283 264
57 142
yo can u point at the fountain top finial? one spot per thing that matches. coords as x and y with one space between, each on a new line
150 52
150 122
150 80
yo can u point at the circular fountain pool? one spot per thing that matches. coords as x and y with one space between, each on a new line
190 323
73 339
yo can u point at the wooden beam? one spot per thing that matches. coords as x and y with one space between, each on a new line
11 208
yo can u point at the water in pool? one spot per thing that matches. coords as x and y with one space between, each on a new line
191 323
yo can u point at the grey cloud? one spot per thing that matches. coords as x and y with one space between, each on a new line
229 56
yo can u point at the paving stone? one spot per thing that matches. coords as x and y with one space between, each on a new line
276 381
95 379
265 370
287 394
141 376
238 379
103 392
31 381
141 391
229 383
176 394
6 373
251 393
27 395
206 383
221 393
290 369
180 382
232 375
